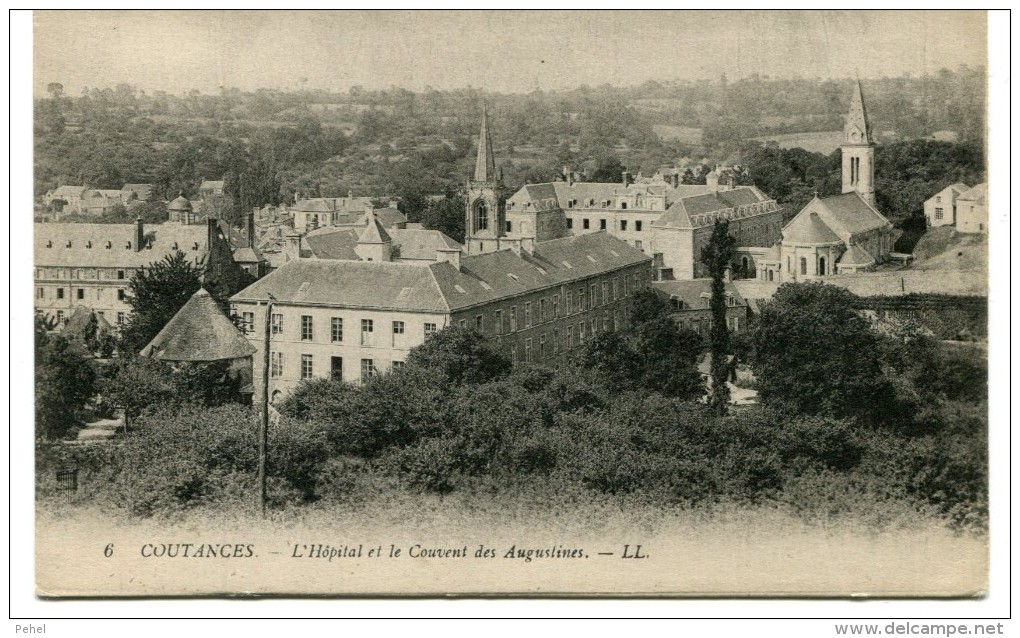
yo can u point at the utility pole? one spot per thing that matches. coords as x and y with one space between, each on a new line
264 421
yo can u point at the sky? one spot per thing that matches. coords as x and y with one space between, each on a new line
176 51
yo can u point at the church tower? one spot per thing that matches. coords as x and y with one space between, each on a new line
858 150
485 222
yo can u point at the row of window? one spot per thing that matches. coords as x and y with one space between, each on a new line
336 327
551 344
603 224
77 293
336 366
84 273
548 309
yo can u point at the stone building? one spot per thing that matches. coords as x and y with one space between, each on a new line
972 210
355 310
840 234
690 304
91 265
354 319
940 208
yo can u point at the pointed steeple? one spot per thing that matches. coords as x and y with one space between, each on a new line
485 165
857 129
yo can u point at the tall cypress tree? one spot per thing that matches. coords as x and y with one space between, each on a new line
717 257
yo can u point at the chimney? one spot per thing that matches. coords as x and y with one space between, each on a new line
139 233
292 245
528 245
350 193
297 196
250 228
626 179
451 255
568 175
674 179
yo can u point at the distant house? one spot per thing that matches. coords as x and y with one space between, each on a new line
940 208
690 304
342 212
408 245
972 210
138 192
97 202
208 188
65 198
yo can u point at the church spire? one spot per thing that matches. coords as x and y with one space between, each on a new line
485 165
857 129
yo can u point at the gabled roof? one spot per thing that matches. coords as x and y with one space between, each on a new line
850 214
416 244
681 213
199 332
333 243
68 192
978 194
439 286
88 244
247 255
809 229
349 283
773 254
856 256
696 293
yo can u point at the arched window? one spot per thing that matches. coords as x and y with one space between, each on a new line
481 215
770 275
821 265
803 265
743 262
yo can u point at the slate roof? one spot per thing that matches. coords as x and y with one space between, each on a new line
856 256
439 286
68 192
695 293
247 255
330 204
199 332
978 194
850 213
680 214
417 244
88 244
809 229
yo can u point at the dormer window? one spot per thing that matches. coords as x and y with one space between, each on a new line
49 243
68 243
109 245
127 245
88 244
194 246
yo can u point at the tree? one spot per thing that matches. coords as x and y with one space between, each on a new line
717 257
655 355
460 355
136 384
609 170
814 354
64 382
155 294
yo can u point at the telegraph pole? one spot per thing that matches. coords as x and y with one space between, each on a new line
264 407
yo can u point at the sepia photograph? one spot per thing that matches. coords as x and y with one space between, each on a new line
676 304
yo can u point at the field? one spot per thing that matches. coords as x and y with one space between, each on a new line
682 134
824 142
